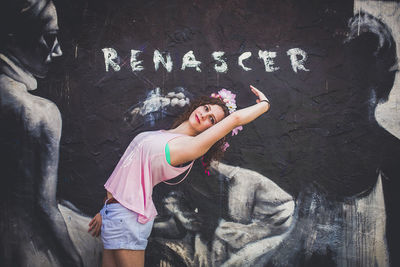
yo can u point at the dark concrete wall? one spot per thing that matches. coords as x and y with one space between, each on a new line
321 136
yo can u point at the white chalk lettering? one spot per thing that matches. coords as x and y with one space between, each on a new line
158 58
135 64
243 57
268 56
297 58
189 60
109 55
217 55
297 64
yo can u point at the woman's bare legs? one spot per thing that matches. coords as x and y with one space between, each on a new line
129 258
108 258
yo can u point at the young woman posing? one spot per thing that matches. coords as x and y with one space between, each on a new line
153 157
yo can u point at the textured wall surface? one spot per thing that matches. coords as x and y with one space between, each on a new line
313 182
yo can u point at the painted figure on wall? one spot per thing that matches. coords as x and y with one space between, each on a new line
32 229
259 216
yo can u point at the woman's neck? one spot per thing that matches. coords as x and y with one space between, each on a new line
184 128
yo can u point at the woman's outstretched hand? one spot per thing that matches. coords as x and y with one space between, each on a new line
259 94
95 225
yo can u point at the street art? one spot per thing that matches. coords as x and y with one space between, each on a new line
312 183
297 58
31 130
155 107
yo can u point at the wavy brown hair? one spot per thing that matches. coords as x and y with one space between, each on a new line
216 152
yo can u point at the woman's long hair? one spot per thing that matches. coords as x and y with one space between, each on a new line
216 152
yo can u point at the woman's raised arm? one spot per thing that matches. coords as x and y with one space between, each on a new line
189 148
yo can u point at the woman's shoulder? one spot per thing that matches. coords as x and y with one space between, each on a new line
153 136
158 136
148 133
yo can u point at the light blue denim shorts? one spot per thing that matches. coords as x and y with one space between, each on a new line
120 228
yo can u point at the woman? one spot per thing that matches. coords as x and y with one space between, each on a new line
153 157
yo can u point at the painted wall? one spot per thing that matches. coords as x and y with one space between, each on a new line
310 183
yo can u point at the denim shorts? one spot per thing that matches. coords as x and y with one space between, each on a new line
120 228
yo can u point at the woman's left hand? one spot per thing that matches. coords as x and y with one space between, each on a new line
95 225
259 94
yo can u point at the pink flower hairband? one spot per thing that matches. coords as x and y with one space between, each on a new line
229 99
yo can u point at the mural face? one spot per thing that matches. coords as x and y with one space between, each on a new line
310 183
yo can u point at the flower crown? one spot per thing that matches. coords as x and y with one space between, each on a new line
229 99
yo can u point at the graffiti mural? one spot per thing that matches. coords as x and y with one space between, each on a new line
311 183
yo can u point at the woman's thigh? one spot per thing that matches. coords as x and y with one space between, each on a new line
108 258
129 258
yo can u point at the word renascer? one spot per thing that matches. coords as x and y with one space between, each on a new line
297 58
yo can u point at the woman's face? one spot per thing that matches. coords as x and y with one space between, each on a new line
206 116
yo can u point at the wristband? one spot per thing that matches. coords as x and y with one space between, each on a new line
264 100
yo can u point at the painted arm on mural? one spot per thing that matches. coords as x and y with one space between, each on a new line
38 125
48 134
258 208
260 213
188 148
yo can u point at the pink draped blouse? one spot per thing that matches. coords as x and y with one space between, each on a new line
143 166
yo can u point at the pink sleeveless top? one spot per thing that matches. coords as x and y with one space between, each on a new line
142 166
